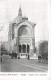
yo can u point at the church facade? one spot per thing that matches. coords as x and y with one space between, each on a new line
22 35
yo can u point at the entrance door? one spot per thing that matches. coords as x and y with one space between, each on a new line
28 48
24 48
19 48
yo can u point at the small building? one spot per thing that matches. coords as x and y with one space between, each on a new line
21 35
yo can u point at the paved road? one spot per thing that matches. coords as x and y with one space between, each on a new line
22 65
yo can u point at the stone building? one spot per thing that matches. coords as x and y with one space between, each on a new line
21 35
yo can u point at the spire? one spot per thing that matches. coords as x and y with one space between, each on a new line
20 11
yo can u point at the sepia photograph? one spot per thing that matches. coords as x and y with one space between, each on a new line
24 36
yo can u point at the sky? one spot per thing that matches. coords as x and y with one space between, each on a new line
35 10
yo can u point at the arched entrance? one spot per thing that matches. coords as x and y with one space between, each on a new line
28 48
24 48
20 48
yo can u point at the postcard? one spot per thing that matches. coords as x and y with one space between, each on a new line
24 40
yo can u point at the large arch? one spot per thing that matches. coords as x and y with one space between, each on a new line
24 33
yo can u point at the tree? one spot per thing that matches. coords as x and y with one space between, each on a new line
43 49
3 50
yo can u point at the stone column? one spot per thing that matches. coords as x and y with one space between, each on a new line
26 48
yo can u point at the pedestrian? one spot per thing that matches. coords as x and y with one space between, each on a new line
28 56
39 57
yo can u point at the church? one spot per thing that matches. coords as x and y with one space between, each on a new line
22 35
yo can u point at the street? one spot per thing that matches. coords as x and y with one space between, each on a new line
22 65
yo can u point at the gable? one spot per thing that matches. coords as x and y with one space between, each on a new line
25 22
